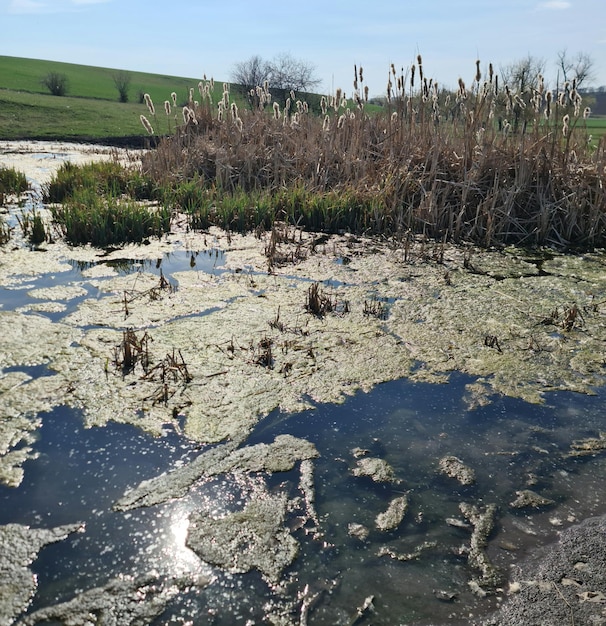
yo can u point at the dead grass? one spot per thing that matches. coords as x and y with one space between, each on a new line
482 165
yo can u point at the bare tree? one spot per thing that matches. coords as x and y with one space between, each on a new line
122 82
283 74
520 79
250 74
289 74
522 75
578 68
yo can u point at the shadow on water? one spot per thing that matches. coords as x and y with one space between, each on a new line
80 473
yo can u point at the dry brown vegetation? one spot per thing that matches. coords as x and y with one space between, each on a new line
482 164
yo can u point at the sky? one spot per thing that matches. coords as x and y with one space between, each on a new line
193 39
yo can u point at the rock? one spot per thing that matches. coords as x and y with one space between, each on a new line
527 498
455 468
378 469
391 518
550 588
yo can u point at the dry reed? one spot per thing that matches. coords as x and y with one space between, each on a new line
484 165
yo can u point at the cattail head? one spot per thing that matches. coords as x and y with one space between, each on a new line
326 123
586 113
146 124
366 93
412 75
149 103
490 72
173 96
292 95
234 110
167 107
393 69
276 111
478 72
361 74
323 105
239 124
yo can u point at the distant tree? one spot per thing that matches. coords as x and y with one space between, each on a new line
519 79
578 68
288 74
283 74
522 75
56 83
251 73
122 83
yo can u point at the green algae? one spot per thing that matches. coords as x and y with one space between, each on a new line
123 600
279 456
250 347
254 538
19 548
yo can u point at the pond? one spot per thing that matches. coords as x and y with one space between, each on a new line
360 501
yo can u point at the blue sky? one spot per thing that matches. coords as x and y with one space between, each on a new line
191 39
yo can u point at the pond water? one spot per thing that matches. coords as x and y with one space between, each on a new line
80 473
416 573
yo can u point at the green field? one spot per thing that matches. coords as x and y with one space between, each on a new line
90 110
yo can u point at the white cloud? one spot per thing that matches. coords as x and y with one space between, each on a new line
27 6
555 5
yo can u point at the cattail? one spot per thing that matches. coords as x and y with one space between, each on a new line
342 120
296 118
239 124
149 103
326 123
146 124
361 74
226 98
393 69
323 105
586 113
288 102
344 102
565 121
212 83
548 99
167 107
490 72
366 93
173 96
185 113
292 95
234 111
412 75
276 111
220 115
355 83
394 117
478 73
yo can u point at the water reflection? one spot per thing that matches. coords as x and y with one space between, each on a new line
80 474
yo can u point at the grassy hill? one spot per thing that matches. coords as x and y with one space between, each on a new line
90 110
